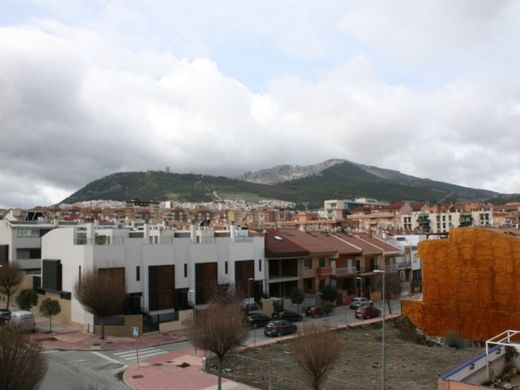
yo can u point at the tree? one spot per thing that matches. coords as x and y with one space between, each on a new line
316 351
11 276
27 299
219 328
102 293
22 365
393 285
50 307
329 293
297 297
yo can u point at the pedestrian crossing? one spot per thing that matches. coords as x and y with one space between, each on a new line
143 353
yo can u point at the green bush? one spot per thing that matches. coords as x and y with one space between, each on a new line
27 299
297 296
329 293
454 340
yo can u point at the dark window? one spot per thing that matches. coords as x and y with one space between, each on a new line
185 270
322 262
65 295
51 275
259 265
137 273
226 267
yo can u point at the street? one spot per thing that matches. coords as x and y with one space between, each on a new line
98 370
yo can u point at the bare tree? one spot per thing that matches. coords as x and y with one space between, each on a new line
102 293
11 276
218 329
22 365
393 286
316 350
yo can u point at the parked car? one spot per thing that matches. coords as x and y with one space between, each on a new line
364 312
313 311
5 316
24 320
249 305
288 315
279 328
257 320
358 301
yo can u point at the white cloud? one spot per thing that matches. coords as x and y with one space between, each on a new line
79 102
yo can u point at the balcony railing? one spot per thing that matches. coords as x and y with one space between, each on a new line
324 271
345 271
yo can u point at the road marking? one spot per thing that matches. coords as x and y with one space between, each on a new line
107 357
143 353
133 351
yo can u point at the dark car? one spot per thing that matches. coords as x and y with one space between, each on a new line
5 316
257 320
313 311
277 328
358 301
364 312
288 315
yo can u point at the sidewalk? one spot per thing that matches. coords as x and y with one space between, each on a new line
69 338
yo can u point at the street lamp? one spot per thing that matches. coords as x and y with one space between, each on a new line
379 271
249 292
360 286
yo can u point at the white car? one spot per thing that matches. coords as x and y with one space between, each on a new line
359 301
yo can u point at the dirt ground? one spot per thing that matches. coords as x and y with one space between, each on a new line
408 365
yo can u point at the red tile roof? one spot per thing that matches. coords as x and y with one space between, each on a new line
339 246
385 246
278 246
366 247
310 243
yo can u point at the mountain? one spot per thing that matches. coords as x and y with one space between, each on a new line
332 179
283 173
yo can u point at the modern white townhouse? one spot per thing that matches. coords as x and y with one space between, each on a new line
164 270
21 242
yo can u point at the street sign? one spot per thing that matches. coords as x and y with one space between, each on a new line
135 331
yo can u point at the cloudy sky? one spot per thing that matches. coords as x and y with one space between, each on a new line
88 88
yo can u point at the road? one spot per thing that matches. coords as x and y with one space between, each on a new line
98 370
95 370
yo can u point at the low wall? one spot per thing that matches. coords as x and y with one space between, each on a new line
124 330
171 326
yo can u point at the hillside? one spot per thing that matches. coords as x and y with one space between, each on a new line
340 180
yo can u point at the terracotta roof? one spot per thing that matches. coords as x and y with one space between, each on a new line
314 246
334 243
278 246
385 246
366 247
417 206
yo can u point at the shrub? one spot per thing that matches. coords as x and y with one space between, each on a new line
329 293
454 340
27 299
327 307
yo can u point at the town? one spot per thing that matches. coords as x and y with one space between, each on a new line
172 258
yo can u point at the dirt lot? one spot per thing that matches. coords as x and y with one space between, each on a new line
408 365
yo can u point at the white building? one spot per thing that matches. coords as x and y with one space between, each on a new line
163 269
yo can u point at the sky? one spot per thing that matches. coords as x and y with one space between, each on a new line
88 88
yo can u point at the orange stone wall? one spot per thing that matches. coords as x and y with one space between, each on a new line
471 284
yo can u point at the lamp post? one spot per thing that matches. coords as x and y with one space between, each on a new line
379 271
249 292
360 286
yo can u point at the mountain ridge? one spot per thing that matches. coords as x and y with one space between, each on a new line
331 179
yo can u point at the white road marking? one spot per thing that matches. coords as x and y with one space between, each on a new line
145 355
107 357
